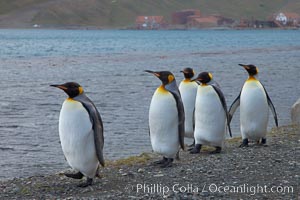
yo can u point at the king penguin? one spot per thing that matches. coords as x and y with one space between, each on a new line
166 119
188 91
211 116
80 133
254 112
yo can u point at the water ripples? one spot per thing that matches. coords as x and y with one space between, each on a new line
111 73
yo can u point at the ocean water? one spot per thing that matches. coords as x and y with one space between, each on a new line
109 64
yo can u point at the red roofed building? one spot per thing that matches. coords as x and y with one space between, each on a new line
208 21
202 22
181 17
150 22
191 18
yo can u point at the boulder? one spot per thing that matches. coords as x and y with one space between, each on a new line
295 112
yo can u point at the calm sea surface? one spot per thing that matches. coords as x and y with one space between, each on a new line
109 65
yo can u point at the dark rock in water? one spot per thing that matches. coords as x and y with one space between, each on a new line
295 112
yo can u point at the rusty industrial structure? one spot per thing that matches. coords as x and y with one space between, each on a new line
193 19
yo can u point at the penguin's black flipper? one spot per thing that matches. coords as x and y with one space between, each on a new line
193 144
97 125
180 120
235 104
194 123
271 106
222 99
172 87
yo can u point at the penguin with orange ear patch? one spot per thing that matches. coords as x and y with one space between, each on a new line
254 103
188 91
211 117
80 133
166 119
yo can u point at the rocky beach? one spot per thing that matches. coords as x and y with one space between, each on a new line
257 172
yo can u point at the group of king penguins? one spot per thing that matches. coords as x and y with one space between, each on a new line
196 109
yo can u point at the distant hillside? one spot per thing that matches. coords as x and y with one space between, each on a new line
122 13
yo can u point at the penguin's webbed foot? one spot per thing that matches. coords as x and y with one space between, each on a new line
89 181
244 143
168 163
262 142
78 175
196 149
217 150
160 162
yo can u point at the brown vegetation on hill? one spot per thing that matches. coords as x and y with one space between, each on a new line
116 13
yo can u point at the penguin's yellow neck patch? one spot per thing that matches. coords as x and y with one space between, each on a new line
70 99
251 78
204 84
187 80
162 89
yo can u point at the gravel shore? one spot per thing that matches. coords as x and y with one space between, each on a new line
257 172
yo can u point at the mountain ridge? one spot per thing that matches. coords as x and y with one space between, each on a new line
119 14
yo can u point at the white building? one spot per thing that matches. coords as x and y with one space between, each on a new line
287 18
282 18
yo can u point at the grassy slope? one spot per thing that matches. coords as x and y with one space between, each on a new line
123 12
292 6
10 5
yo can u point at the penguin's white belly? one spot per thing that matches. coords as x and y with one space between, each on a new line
254 111
210 118
188 93
163 122
77 138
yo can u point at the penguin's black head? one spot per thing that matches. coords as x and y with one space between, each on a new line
188 73
166 77
71 88
204 77
251 69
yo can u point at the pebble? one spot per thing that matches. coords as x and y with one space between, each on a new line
16 190
140 170
236 167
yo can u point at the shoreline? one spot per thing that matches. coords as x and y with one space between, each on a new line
192 177
93 28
